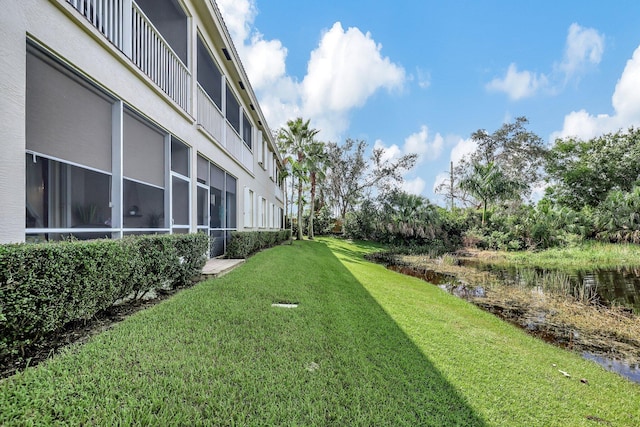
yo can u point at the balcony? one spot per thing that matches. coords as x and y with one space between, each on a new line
124 23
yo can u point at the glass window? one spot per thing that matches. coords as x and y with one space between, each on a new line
203 206
203 170
143 205
59 195
246 131
216 193
233 110
180 201
179 157
231 202
217 243
209 75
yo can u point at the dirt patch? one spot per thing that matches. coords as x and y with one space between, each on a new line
77 332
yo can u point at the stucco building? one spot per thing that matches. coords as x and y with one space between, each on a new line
129 116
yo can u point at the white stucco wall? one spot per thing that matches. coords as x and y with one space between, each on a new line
63 33
12 122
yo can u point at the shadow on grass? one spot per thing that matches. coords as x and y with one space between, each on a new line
220 354
346 248
411 383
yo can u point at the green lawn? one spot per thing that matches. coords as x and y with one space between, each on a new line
366 346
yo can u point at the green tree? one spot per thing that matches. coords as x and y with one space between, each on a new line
617 218
488 183
315 162
581 173
350 176
410 218
295 138
518 152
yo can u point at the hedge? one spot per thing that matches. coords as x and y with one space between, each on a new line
47 285
244 243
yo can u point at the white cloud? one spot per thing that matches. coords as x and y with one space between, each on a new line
518 84
424 78
389 153
584 46
238 15
441 178
462 148
264 61
419 144
625 102
416 143
344 70
414 186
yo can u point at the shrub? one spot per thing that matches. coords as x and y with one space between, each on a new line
47 285
245 243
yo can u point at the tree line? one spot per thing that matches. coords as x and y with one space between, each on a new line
591 191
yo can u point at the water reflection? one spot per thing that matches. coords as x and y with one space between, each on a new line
619 286
627 370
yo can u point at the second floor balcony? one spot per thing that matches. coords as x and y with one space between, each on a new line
152 33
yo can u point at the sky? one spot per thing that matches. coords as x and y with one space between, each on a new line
420 76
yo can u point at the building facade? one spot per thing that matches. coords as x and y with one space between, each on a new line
127 117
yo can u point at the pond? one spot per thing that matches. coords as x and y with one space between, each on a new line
614 287
620 286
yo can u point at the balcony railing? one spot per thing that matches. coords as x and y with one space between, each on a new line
153 55
247 157
209 116
125 25
106 15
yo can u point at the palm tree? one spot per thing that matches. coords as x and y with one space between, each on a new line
488 183
295 139
315 162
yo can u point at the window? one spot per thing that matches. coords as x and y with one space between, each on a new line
61 195
265 154
203 192
209 75
179 157
233 110
247 130
216 202
264 214
143 205
222 208
144 174
231 202
248 207
68 118
68 151
180 185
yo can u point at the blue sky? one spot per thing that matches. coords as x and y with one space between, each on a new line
421 76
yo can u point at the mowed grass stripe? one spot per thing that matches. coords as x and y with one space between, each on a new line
508 377
219 354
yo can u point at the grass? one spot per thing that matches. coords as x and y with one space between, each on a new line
366 346
588 255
